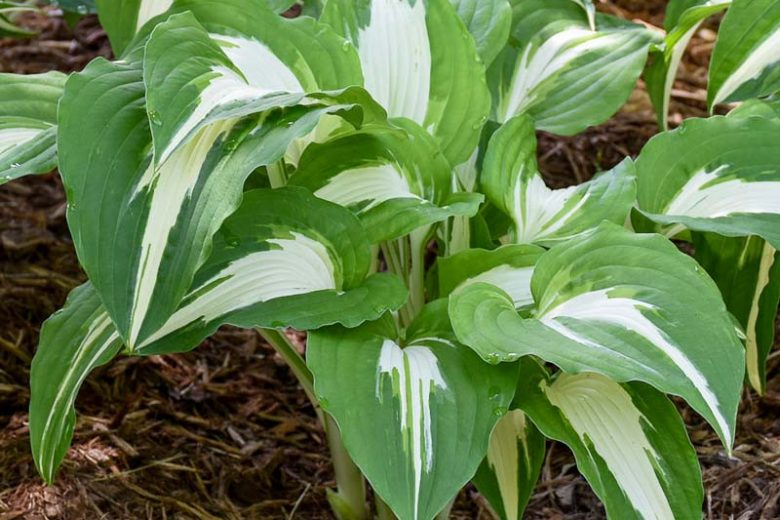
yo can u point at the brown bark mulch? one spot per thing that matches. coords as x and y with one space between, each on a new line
224 431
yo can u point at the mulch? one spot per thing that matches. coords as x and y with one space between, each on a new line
225 431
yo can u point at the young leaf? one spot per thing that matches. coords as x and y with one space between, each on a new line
562 73
720 174
659 77
747 271
417 419
393 177
629 306
122 20
419 62
489 22
508 475
74 341
28 123
745 62
509 268
629 441
283 259
512 182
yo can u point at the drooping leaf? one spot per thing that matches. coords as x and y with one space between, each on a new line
562 73
74 341
509 267
489 22
508 475
629 441
419 62
283 259
720 174
416 419
629 306
745 62
512 182
123 19
747 271
28 123
659 77
393 177
141 230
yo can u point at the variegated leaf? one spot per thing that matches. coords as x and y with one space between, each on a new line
629 306
419 62
747 271
74 341
398 403
562 73
720 174
512 182
508 475
509 268
746 62
629 441
28 123
393 177
141 230
590 10
682 21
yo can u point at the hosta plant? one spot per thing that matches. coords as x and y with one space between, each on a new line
370 177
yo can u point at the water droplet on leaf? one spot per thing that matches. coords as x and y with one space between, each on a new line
154 117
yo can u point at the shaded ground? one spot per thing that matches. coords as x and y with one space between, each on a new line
224 432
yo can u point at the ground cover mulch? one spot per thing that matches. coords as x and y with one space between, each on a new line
224 431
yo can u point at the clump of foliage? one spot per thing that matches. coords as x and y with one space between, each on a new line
370 177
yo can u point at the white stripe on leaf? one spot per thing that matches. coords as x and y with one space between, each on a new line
706 196
372 184
604 417
10 137
751 339
174 181
538 63
503 458
599 307
395 53
293 266
515 281
765 55
538 210
149 9
414 372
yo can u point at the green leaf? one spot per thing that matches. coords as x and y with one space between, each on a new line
512 182
659 77
629 441
81 7
720 174
766 108
283 259
417 419
745 62
122 20
419 62
509 267
629 306
74 341
489 22
393 177
508 475
9 29
28 123
143 231
562 73
747 271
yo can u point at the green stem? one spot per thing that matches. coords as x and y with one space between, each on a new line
277 174
383 511
349 503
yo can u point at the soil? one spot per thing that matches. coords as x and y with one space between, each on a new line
224 431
